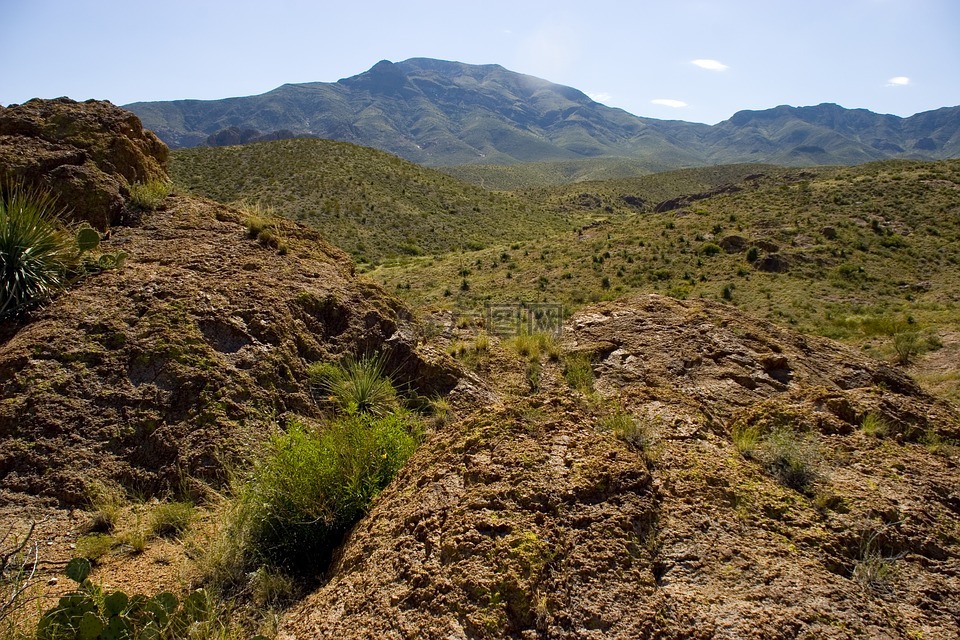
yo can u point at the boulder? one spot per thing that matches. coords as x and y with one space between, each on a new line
87 154
773 263
734 244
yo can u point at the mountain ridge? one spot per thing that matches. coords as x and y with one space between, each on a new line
442 113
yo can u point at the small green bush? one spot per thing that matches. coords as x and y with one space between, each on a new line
312 486
533 373
874 425
789 457
532 345
149 195
626 427
95 545
356 386
907 346
578 371
170 519
873 569
255 226
710 249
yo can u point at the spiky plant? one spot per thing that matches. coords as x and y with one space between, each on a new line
357 385
36 252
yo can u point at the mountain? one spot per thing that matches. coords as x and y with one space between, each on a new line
432 112
830 134
442 113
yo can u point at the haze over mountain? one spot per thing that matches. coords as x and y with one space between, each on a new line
443 113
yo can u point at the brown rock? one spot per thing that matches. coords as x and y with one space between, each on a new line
526 519
734 244
93 195
186 358
87 154
766 245
773 263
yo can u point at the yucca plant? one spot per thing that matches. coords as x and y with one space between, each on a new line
36 251
357 386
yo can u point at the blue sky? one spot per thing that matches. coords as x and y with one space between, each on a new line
673 59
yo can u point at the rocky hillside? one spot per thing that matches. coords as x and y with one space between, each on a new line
179 361
665 468
717 484
443 113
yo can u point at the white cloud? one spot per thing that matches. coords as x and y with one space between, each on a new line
599 97
710 65
898 81
667 102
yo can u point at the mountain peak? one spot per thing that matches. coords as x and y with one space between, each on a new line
384 78
442 112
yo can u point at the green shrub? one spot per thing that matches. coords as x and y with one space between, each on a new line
106 503
532 345
533 373
791 458
578 371
170 518
356 386
873 569
149 195
907 346
255 226
36 252
874 425
312 486
626 427
95 545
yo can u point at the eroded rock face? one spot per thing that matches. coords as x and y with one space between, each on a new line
742 555
520 521
188 356
86 153
530 519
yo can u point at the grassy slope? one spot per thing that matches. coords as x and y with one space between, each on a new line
508 177
896 252
434 240
370 203
651 189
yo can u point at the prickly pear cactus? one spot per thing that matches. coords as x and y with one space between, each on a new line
91 614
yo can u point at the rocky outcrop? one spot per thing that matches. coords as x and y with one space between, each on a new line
521 521
188 356
685 201
734 244
87 154
531 519
773 263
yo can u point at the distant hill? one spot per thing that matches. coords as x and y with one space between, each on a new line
443 113
370 203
